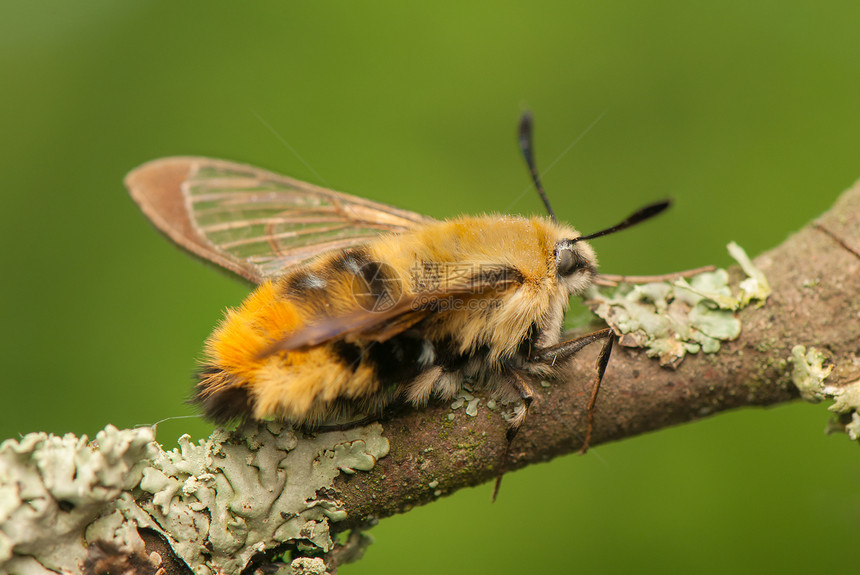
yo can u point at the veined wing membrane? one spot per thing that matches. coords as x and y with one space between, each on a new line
255 223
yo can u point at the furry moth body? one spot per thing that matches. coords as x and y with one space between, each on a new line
361 306
499 288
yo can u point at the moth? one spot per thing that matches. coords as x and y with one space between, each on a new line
361 307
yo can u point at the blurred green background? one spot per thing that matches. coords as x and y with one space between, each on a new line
746 113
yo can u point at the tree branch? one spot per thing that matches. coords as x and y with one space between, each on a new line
815 277
235 501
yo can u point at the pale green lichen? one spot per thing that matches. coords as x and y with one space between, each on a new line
846 398
462 398
52 487
853 428
756 286
472 408
232 496
672 319
809 374
218 502
308 566
846 401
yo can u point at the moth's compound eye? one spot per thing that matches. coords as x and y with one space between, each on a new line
567 262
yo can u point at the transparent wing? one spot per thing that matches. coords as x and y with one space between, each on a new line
412 308
255 223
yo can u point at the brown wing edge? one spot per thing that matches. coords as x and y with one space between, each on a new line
156 187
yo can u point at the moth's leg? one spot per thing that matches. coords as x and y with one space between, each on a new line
527 394
563 351
614 280
602 362
560 352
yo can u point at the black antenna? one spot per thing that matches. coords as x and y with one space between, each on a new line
639 216
527 148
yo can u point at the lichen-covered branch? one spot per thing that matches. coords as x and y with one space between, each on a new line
814 276
121 504
233 502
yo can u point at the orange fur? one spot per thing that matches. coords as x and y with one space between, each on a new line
300 385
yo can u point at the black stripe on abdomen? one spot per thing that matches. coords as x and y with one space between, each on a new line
229 403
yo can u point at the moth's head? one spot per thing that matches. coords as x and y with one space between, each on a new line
575 265
575 262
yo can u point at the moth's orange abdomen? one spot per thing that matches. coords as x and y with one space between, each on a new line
241 379
244 334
